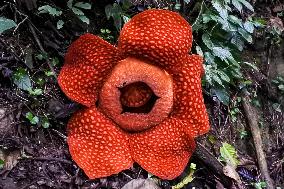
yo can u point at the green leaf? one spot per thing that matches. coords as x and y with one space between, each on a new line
2 162
77 11
207 41
249 26
125 18
217 79
260 185
22 79
193 166
235 20
177 6
54 61
199 50
45 123
220 8
42 56
70 4
251 65
281 87
246 4
84 19
277 107
33 119
48 73
83 5
222 53
29 115
247 36
223 76
222 95
237 41
108 11
237 5
6 24
115 11
50 10
229 154
224 23
59 24
35 92
209 58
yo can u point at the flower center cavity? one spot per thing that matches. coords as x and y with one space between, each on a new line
137 98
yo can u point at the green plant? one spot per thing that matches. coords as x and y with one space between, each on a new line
234 109
6 24
35 120
32 118
229 154
53 11
223 35
279 82
243 134
22 79
78 7
189 178
2 163
106 35
260 185
118 12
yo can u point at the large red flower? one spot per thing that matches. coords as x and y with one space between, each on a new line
143 98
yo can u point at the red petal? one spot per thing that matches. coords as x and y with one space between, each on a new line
163 150
88 60
97 145
188 101
161 36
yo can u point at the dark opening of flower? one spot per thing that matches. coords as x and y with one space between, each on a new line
150 105
137 97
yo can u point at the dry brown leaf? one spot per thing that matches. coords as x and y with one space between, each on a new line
231 172
141 184
278 8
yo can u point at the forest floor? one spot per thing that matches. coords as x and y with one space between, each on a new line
34 153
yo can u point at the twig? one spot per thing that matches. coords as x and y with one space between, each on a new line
256 135
42 49
205 157
26 17
8 47
50 159
199 14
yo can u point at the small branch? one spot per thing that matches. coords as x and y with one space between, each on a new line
208 159
42 49
253 124
199 14
50 159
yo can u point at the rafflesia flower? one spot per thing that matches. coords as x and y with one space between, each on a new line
143 99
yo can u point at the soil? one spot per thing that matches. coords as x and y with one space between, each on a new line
37 157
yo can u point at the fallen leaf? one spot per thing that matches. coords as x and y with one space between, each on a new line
231 172
278 8
141 184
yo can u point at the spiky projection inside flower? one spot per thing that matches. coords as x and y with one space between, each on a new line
143 98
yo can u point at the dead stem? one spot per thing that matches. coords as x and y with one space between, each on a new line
256 134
